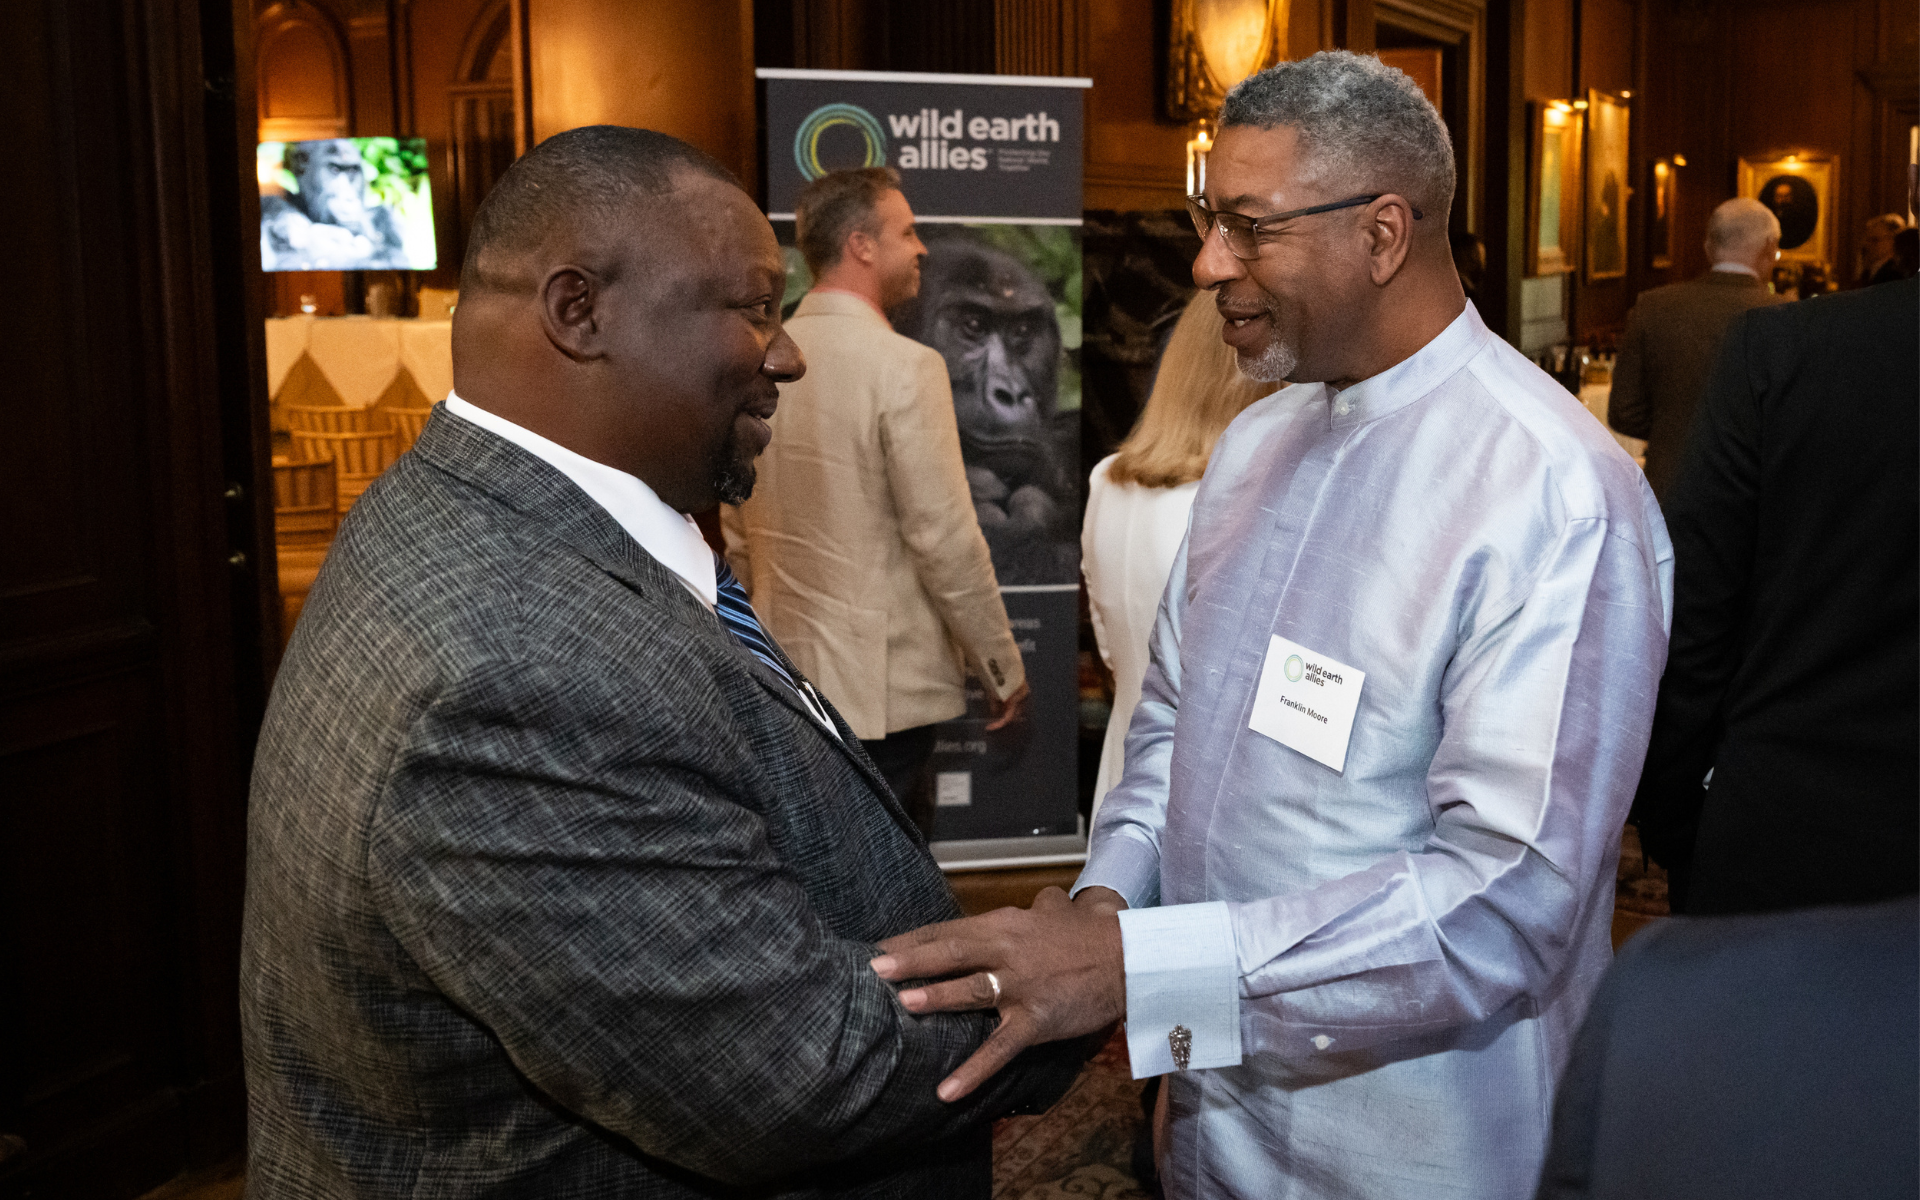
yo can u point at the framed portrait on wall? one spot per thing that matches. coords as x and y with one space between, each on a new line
1553 189
1800 189
1666 176
1607 186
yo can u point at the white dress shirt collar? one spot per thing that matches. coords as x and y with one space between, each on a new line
1734 268
671 537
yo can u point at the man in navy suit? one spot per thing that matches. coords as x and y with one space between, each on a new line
1746 1058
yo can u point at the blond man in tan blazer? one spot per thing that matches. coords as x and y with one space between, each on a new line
859 547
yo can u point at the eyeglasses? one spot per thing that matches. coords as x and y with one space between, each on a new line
1242 234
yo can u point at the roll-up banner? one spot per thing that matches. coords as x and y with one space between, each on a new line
992 167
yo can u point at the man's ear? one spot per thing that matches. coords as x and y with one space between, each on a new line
1388 230
861 247
568 311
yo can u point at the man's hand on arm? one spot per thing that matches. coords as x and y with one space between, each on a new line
1006 712
1059 965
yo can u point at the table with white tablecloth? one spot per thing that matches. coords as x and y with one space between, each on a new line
361 357
1594 396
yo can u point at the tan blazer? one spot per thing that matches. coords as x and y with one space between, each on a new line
859 548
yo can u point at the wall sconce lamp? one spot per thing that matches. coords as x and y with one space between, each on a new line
1679 160
1214 45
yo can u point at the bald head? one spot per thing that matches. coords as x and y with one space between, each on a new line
1739 231
621 297
567 189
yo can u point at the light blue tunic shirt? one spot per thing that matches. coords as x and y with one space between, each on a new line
1382 967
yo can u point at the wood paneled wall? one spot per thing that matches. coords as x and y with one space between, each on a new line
684 67
1609 61
1712 80
1715 80
1760 77
1136 158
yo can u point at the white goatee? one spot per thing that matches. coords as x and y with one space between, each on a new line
1272 365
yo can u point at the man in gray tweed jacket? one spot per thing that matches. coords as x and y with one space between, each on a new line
559 886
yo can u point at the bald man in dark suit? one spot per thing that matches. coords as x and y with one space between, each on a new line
1674 332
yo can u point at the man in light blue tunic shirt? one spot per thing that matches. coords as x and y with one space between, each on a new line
1363 851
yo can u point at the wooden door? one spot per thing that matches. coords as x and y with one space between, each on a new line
133 600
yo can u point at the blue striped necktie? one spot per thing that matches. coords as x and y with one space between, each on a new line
737 615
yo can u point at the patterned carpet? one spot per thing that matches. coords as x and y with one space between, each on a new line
1083 1146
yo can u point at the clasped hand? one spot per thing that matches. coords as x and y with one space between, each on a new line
1059 965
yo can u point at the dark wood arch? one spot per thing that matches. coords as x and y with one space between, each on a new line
482 116
486 54
304 73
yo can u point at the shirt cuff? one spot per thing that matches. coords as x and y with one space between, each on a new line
1122 860
1183 987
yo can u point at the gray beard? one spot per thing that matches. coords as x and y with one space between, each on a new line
1272 365
733 473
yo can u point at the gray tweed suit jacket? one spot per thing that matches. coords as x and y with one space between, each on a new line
554 890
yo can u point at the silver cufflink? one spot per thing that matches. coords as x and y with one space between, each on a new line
1180 1041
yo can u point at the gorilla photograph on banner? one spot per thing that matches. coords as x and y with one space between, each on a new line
345 204
1001 303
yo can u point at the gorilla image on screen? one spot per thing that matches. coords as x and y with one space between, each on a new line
993 320
332 223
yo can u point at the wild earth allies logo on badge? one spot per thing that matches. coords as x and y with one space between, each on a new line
1306 702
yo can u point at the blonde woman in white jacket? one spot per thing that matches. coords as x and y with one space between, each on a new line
1139 500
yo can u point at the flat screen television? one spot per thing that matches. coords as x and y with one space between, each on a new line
345 204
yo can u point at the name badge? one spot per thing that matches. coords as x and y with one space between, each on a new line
1306 702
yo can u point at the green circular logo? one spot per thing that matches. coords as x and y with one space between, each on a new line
806 142
1295 668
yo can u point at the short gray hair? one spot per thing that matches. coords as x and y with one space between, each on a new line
1739 229
1359 120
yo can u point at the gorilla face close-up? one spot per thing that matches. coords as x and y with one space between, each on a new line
993 320
994 323
331 222
333 182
